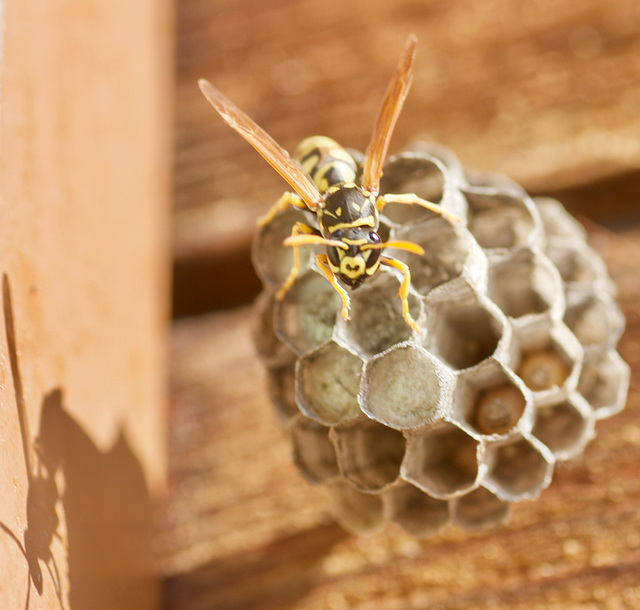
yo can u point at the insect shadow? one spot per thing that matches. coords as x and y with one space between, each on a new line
42 494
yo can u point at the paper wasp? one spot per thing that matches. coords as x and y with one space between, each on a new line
323 177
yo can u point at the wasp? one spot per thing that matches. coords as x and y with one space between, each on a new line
326 181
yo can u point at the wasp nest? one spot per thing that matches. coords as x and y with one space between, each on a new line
515 363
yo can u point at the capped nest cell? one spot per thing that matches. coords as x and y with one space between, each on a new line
515 363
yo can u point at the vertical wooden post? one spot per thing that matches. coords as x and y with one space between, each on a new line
84 207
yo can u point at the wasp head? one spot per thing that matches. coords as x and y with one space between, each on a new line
358 259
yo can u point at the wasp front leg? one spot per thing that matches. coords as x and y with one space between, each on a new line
403 293
321 261
281 205
298 229
412 199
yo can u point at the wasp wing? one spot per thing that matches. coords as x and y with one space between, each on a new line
387 117
270 150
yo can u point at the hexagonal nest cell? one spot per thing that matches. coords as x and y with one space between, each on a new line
462 330
513 363
369 453
491 400
376 316
442 461
327 383
525 283
416 511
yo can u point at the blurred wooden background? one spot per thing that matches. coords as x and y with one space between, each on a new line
546 92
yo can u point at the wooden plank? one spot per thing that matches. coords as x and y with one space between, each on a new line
242 529
84 202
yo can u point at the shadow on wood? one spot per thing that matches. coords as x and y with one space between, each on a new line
276 576
101 556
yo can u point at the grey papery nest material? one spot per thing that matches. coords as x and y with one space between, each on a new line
516 362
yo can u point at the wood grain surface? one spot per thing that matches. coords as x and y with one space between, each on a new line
242 529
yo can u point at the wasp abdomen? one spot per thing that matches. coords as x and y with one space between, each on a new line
326 162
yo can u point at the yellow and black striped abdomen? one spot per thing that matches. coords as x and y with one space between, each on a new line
326 162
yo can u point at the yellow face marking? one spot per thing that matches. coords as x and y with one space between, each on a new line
339 212
352 266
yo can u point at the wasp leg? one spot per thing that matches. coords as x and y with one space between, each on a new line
403 293
281 205
298 228
321 261
411 199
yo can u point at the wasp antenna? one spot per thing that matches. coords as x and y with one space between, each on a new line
302 240
409 246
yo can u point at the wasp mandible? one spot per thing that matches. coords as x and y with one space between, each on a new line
323 176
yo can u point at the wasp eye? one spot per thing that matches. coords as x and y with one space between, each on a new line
333 256
372 258
374 238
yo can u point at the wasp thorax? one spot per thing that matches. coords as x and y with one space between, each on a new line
358 259
347 206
